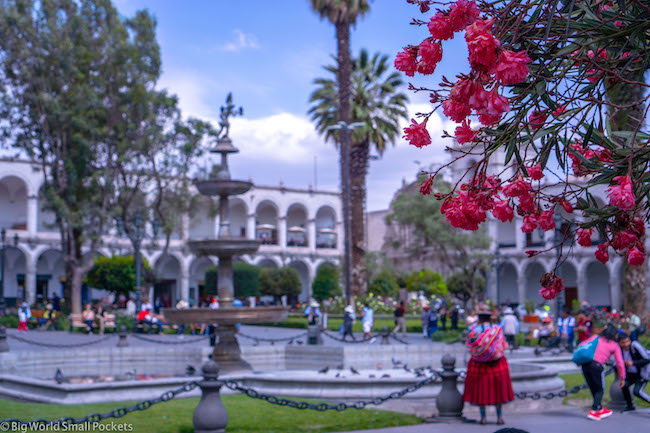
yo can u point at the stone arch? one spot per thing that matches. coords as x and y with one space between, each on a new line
238 212
197 270
507 287
568 271
15 271
266 222
305 278
269 262
297 218
598 290
13 202
533 272
50 274
326 227
167 271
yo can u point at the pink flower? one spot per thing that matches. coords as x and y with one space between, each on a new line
512 68
601 253
624 239
635 257
405 62
552 285
456 110
462 14
527 203
530 223
482 45
417 134
440 27
488 119
503 211
430 55
517 188
463 211
559 110
535 172
546 221
531 253
622 195
465 91
425 188
464 133
537 119
496 104
568 208
584 237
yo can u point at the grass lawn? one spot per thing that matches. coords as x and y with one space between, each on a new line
245 415
585 396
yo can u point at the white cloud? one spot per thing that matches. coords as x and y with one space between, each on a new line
241 41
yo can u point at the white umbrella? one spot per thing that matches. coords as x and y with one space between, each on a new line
265 227
297 229
327 231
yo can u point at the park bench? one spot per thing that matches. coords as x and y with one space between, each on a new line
77 322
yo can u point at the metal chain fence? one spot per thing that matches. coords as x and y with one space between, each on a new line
322 407
59 345
334 337
153 340
272 340
396 338
551 395
118 412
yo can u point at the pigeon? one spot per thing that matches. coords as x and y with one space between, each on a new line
396 363
324 370
385 375
338 374
419 374
354 370
407 369
340 367
190 370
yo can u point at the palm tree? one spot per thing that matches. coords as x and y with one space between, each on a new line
343 14
377 104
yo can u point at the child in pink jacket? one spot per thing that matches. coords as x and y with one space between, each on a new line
594 374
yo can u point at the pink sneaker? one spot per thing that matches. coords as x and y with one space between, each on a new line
604 413
594 415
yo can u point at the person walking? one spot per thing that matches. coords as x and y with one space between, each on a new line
348 321
634 322
22 317
432 323
637 369
510 326
454 318
101 317
442 313
488 380
400 321
424 319
565 327
367 321
604 346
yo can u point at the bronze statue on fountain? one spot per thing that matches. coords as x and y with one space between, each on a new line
226 352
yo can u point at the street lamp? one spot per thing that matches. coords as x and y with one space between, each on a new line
137 235
3 238
346 127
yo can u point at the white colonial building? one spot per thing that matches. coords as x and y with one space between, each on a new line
299 228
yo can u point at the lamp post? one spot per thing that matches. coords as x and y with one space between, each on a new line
137 235
346 127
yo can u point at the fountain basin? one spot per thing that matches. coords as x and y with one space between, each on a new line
226 316
222 187
224 246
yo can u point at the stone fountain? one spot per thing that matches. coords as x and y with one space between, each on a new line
226 352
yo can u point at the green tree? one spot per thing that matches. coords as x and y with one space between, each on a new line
280 282
71 73
344 14
467 285
246 279
116 274
211 280
427 281
384 284
378 106
326 284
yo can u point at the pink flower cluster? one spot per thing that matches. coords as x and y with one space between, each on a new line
552 285
628 239
603 156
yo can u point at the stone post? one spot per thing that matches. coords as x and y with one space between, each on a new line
385 335
313 335
4 346
122 334
616 394
449 402
210 415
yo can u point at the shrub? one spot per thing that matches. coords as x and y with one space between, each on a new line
116 274
326 284
427 281
384 284
246 279
280 282
211 280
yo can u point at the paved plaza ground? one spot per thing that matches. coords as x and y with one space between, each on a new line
565 420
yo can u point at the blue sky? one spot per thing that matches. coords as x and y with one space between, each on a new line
268 53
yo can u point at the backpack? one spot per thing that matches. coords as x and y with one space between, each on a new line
584 354
487 346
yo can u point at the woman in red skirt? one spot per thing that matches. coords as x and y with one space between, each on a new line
488 375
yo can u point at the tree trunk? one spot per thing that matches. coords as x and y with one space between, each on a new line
635 278
344 73
358 171
75 268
